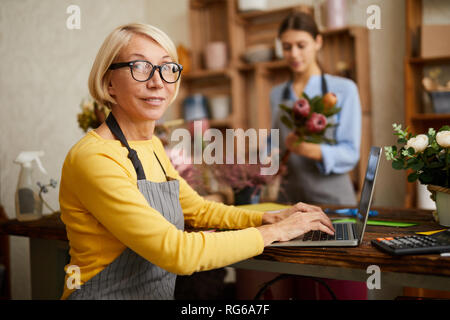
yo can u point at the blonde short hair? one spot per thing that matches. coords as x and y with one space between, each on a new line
100 75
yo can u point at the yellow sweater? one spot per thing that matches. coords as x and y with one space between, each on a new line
104 212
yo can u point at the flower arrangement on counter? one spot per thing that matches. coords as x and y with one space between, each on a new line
239 176
426 155
92 114
308 118
247 181
193 174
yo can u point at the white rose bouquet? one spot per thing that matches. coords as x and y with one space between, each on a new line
425 155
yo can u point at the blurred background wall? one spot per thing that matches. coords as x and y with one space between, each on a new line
45 66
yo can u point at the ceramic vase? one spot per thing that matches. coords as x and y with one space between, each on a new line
216 55
336 14
442 197
443 208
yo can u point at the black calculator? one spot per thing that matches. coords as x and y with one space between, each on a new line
415 244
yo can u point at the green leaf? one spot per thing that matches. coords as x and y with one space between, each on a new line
319 107
332 112
430 152
316 99
412 177
314 139
285 108
435 165
287 122
426 178
417 166
306 97
397 164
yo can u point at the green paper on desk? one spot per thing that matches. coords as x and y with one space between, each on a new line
378 223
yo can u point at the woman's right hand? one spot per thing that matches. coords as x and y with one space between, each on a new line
295 225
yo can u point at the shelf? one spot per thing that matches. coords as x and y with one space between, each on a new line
202 74
257 14
418 60
220 123
338 31
274 64
431 117
413 75
249 85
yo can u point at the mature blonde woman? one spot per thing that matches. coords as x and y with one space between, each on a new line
123 203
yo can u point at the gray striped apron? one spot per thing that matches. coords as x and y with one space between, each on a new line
304 182
130 276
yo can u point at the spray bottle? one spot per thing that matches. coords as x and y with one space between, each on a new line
28 201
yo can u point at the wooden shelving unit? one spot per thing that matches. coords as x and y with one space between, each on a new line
416 117
249 85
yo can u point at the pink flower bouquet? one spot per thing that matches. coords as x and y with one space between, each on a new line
308 118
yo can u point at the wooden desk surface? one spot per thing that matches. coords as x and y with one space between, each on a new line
51 227
364 255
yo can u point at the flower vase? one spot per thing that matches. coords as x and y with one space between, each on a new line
247 195
442 197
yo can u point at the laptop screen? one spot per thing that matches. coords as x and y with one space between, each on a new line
367 191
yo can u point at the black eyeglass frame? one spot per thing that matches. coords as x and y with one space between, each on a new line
130 64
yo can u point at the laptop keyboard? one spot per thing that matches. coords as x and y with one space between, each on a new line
340 234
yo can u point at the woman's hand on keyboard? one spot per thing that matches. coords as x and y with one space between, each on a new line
297 223
273 217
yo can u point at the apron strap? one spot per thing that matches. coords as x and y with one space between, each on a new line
287 92
165 174
112 124
324 84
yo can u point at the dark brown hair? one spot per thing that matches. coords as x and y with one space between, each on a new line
300 21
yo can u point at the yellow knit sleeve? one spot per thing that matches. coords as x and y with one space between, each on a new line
201 213
103 184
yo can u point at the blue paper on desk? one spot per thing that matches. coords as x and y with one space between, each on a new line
352 212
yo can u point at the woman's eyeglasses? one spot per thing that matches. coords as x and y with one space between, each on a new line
142 70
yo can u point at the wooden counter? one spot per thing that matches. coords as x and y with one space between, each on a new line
49 227
432 271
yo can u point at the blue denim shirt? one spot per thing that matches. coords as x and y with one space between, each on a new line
344 155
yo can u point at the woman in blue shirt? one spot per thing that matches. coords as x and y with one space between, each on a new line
316 173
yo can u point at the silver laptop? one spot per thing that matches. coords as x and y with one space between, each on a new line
346 234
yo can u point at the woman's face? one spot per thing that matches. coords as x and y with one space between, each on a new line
141 101
300 49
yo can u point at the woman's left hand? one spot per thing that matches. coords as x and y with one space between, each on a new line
273 217
306 149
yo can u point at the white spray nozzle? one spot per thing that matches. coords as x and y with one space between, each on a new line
26 157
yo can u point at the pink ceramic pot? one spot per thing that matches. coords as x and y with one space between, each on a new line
336 15
216 55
